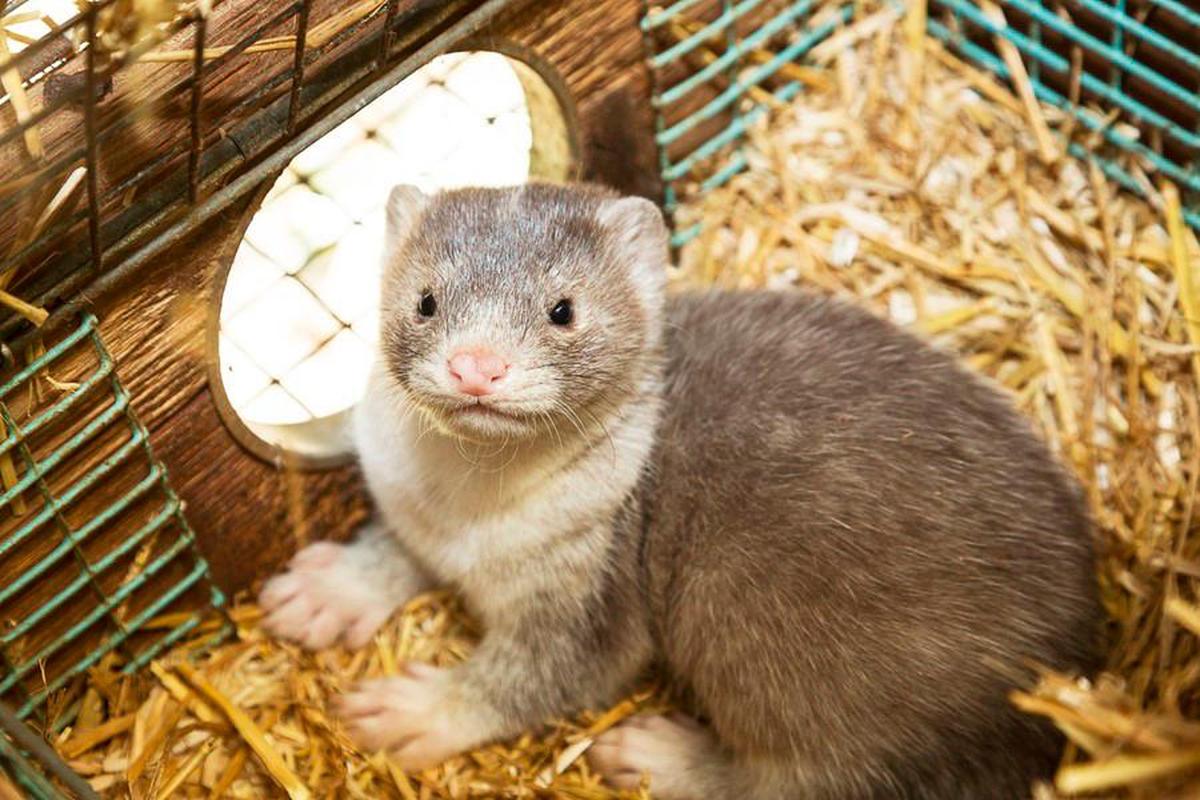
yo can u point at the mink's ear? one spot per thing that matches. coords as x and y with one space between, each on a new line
404 207
639 233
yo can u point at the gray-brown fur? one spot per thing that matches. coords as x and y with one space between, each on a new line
866 541
838 545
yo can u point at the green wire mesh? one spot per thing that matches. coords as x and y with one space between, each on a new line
1138 64
700 56
1136 92
96 559
36 771
25 775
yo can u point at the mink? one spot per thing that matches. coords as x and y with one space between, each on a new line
840 548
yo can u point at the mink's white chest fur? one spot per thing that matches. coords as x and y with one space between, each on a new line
499 524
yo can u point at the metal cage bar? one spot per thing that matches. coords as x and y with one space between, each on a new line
197 137
20 746
1180 162
302 12
691 150
163 535
93 158
1156 94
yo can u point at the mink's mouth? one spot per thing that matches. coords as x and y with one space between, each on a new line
480 410
482 421
483 418
451 407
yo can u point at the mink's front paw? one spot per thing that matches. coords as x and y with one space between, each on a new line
414 716
675 752
322 597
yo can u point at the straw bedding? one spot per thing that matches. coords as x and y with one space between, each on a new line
249 720
905 179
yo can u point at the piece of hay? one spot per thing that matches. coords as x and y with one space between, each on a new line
250 732
1124 771
33 313
14 87
1047 147
84 741
1187 268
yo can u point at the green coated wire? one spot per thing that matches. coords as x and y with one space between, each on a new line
1109 166
102 609
1127 31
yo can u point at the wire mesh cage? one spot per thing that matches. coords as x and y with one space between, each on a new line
133 134
719 67
93 579
1127 72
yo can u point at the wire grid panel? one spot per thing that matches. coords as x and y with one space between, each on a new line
1127 72
298 313
27 777
29 762
718 67
97 561
218 91
59 59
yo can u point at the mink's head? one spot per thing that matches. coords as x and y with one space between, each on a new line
509 313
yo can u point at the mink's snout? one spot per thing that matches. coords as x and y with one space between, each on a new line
475 371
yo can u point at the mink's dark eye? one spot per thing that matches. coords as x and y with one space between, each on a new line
562 313
428 306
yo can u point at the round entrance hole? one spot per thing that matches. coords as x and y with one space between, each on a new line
297 319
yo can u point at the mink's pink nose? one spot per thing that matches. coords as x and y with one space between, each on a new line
475 370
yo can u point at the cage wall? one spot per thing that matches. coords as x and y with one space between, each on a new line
1127 73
